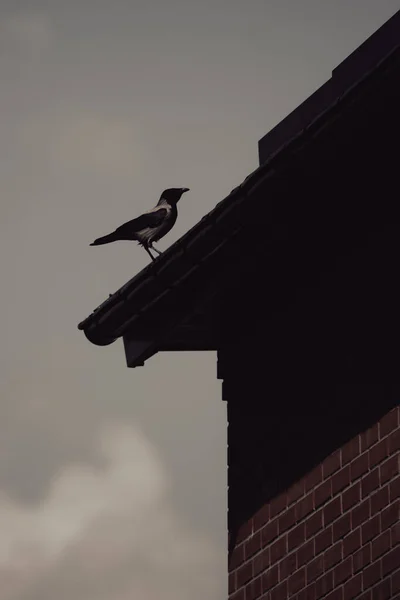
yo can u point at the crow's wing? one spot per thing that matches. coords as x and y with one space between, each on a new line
150 219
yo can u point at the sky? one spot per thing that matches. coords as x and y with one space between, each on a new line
112 480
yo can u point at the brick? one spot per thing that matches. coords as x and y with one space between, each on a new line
369 437
244 574
333 555
270 578
313 478
395 534
261 517
323 540
350 450
237 557
240 595
278 505
269 532
390 515
341 527
380 545
396 582
245 531
324 584
280 592
370 483
297 536
352 587
253 589
278 549
371 529
388 423
359 466
296 491
287 520
391 561
342 571
331 464
335 594
253 545
360 513
232 583
314 523
287 566
332 511
314 569
308 593
395 489
379 500
297 581
261 562
383 591
394 441
389 469
378 453
351 496
362 558
305 553
304 507
352 542
366 595
341 480
322 493
371 574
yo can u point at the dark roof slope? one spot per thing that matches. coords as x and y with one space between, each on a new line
365 58
138 304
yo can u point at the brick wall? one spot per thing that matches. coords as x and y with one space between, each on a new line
334 533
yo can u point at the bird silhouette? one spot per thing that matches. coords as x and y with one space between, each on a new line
151 226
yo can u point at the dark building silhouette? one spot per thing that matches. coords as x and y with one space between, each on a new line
294 280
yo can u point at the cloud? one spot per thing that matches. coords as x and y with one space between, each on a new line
107 533
26 32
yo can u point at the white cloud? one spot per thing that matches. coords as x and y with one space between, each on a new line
106 534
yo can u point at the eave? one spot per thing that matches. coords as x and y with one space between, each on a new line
170 304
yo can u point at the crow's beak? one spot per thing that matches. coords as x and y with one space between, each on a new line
185 190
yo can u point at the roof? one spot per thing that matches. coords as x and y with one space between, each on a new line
159 308
363 60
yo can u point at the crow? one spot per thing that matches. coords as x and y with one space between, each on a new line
151 225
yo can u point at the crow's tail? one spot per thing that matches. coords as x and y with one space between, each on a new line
106 239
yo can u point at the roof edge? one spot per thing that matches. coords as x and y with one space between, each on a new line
148 283
354 67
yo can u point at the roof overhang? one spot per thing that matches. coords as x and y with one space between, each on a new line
176 302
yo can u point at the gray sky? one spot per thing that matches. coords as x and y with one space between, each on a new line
113 481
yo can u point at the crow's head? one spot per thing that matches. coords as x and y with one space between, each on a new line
172 195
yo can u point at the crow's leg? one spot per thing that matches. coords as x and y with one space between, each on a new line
149 253
155 249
